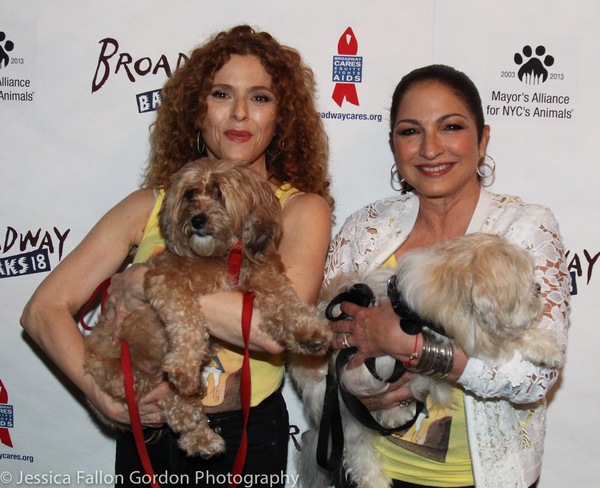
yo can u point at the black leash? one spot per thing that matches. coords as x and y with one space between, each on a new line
330 429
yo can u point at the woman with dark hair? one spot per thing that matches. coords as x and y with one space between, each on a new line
241 96
494 435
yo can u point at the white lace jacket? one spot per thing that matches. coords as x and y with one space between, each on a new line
505 405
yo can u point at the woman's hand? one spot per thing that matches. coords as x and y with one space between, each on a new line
150 414
125 295
375 331
396 395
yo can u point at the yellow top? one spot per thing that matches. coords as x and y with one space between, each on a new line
435 450
223 374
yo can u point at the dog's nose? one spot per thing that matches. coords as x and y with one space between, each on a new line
199 221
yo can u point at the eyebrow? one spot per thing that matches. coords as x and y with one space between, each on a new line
252 88
441 119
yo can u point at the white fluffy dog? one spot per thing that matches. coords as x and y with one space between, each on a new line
478 290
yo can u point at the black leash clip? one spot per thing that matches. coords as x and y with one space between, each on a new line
360 294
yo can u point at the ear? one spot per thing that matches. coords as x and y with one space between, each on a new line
258 236
391 143
167 215
262 231
485 139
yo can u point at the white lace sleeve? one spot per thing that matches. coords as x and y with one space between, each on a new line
368 236
535 229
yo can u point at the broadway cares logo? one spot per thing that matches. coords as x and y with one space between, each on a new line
347 69
6 417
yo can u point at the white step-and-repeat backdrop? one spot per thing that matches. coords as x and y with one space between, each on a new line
77 95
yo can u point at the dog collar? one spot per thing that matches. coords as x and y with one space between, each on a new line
411 323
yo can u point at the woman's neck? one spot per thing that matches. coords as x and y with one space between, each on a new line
441 219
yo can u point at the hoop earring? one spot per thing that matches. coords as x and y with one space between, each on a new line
486 166
396 178
280 148
200 151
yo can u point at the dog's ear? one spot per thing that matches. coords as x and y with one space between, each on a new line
504 292
262 230
181 191
260 238
167 215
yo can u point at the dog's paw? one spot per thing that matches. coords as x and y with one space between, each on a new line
202 440
398 416
186 382
315 343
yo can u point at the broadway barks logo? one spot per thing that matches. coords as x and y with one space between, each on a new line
347 69
6 417
35 249
125 65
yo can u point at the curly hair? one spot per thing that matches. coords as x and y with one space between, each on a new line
298 154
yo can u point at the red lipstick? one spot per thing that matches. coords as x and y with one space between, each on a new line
238 135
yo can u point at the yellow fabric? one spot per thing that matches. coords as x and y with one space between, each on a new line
414 458
223 374
284 192
152 240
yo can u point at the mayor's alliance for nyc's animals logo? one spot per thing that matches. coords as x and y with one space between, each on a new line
347 69
15 83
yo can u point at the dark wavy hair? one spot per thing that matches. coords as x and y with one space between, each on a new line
299 151
455 80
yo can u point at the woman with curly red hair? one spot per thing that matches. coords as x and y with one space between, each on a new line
240 96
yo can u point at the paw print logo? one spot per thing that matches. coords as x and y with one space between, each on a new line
5 47
534 69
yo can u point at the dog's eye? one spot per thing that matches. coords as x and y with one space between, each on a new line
538 289
218 196
190 194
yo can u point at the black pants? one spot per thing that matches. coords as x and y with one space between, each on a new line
404 484
341 482
266 459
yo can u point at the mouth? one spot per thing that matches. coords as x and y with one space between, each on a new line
202 244
435 170
238 136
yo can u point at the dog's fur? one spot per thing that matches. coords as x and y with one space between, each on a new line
208 208
480 291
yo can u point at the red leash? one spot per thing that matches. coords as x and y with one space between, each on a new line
101 288
235 263
245 388
134 412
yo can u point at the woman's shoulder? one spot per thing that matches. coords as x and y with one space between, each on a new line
132 213
512 209
306 203
388 211
306 211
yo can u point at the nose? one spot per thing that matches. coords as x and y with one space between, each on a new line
431 146
199 221
240 109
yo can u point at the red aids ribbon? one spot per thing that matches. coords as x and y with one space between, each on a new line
347 45
4 435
